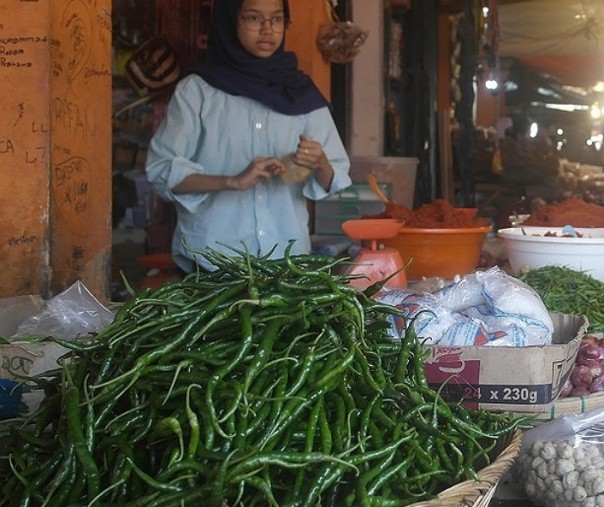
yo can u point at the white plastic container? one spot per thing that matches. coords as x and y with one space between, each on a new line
527 247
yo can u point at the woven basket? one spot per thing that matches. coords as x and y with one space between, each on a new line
566 406
479 493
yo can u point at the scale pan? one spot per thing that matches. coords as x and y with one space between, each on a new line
372 228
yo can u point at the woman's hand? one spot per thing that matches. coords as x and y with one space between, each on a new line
310 154
259 169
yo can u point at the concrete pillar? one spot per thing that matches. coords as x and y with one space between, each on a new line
367 118
55 146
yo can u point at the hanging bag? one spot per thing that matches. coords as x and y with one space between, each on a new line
339 41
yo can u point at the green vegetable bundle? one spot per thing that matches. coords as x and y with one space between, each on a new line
565 290
266 382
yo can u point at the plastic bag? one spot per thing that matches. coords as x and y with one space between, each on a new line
431 317
561 463
484 308
72 313
293 173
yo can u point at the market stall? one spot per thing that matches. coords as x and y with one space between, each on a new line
273 381
264 382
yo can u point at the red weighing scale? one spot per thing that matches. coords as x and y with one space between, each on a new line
376 262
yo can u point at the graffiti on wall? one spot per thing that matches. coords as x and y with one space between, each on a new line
55 135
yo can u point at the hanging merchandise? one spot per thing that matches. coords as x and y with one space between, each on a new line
339 41
153 67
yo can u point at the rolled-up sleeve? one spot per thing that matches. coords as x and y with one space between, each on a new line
321 127
174 147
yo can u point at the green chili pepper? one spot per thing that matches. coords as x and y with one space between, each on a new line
264 382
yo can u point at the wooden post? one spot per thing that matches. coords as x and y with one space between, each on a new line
55 146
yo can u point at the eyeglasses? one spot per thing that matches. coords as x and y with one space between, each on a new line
255 23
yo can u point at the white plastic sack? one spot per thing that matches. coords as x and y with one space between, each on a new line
484 308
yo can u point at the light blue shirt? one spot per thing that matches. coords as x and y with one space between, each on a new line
207 131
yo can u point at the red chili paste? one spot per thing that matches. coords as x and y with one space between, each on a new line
439 214
575 212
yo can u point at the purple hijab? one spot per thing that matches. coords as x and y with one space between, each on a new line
275 81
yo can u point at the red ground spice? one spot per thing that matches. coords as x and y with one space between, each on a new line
439 214
575 212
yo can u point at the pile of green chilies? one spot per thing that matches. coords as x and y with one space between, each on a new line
264 383
566 290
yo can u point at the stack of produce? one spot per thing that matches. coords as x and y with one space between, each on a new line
581 182
569 291
438 214
561 463
266 382
587 376
565 290
575 212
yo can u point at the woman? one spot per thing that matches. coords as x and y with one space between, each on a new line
220 153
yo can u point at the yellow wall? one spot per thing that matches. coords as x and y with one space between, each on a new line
55 146
307 16
24 125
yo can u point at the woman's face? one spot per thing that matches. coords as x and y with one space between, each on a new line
260 26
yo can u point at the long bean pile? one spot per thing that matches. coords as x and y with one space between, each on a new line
266 382
566 290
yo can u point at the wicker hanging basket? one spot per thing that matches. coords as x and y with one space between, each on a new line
153 67
339 41
479 493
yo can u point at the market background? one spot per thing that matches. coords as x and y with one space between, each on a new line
544 57
425 116
547 63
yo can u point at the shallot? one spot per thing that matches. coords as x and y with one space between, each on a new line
587 375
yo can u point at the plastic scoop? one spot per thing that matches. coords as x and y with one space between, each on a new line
373 184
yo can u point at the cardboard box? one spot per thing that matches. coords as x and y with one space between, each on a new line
15 398
14 359
521 379
22 359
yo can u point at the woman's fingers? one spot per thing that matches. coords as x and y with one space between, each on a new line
274 166
308 152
